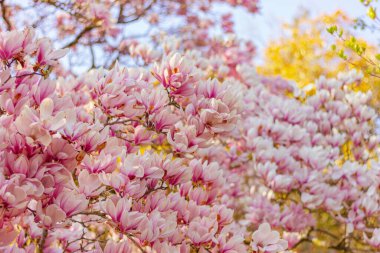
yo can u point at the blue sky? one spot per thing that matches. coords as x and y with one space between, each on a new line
266 26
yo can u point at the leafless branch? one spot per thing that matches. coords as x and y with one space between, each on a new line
4 14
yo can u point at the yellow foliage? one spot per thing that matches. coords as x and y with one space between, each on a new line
305 52
346 150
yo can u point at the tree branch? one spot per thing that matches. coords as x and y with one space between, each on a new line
80 35
42 241
4 14
138 16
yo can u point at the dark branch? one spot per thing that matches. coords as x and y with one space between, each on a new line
80 35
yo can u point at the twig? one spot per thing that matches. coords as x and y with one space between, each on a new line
42 241
4 15
149 6
80 35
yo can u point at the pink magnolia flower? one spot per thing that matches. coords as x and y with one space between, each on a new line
156 226
50 215
14 42
177 75
202 230
62 151
20 165
146 52
46 55
114 179
157 200
14 196
101 163
208 173
89 184
114 207
164 120
184 140
266 240
93 139
143 166
119 210
235 244
74 130
71 202
186 210
100 13
45 89
175 171
218 117
36 126
210 89
142 135
199 195
154 100
370 205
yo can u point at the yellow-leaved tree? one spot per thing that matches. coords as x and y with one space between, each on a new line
306 50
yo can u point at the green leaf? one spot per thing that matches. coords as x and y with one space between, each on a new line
342 55
340 33
332 29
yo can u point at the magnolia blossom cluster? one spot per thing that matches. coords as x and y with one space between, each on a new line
314 159
114 161
188 150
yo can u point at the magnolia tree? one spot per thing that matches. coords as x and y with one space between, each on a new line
176 145
100 33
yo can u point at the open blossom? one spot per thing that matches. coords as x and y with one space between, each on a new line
235 244
13 196
156 226
14 42
51 215
115 207
218 117
266 240
154 100
202 230
89 184
119 210
184 140
176 172
142 167
46 55
177 75
71 202
36 126
164 120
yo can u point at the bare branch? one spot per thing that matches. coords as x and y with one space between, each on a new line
42 241
4 14
80 35
138 16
